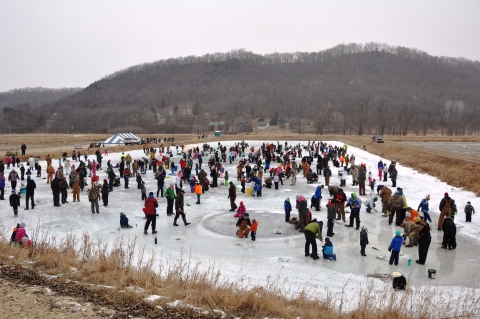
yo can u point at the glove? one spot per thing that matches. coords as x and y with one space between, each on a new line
389 249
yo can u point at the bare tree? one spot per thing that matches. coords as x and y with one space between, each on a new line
382 117
363 108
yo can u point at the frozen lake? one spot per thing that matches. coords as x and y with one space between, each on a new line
210 238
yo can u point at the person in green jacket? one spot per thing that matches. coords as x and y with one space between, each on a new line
312 232
170 195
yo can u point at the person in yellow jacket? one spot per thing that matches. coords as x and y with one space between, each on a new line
198 191
50 173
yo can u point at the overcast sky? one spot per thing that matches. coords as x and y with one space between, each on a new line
73 43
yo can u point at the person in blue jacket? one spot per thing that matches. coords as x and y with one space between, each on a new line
327 248
395 247
288 208
423 207
317 197
124 221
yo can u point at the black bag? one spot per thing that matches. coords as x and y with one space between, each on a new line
399 283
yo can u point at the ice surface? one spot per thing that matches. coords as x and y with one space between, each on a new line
210 238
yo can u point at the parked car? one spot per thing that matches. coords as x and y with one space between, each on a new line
377 138
78 147
131 141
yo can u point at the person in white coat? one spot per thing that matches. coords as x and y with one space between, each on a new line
31 163
370 203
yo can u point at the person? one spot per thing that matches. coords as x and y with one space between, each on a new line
179 209
93 196
21 233
23 148
14 235
232 195
198 191
331 214
22 172
423 238
123 219
2 187
126 177
64 189
150 208
445 207
143 191
370 203
302 212
449 233
170 195
55 186
243 226
393 177
312 232
14 202
160 176
355 205
363 240
469 210
413 213
339 200
317 196
394 248
410 227
327 172
50 173
13 178
396 203
385 195
105 192
253 229
327 249
240 211
288 208
30 193
423 207
139 181
362 177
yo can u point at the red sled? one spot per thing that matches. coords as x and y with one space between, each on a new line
95 179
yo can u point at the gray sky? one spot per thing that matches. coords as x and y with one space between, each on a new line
73 43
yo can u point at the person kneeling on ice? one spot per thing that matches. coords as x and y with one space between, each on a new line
243 226
312 232
241 210
253 229
395 247
124 221
327 249
370 203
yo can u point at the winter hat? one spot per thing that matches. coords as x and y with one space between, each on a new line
409 209
398 233
354 195
327 240
28 178
288 200
23 225
13 190
446 194
417 219
241 203
150 194
182 191
246 215
122 214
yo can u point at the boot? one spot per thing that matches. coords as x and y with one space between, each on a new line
26 208
185 221
175 222
154 231
145 231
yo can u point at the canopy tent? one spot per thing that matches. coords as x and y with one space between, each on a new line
118 138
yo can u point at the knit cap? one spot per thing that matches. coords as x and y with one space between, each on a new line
398 233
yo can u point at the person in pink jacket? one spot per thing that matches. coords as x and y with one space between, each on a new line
240 210
21 233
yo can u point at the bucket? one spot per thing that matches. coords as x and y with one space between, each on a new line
432 273
249 191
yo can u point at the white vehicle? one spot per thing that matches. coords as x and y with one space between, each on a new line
131 141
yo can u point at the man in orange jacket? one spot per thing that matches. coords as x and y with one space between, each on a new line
198 191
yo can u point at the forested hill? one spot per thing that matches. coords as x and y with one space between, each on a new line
33 97
349 88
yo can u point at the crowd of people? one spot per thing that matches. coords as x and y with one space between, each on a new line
201 169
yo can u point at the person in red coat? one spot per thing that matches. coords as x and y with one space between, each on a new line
150 212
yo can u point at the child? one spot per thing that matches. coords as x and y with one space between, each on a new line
394 247
363 240
144 191
253 229
240 210
14 234
288 208
14 202
327 248
39 170
469 210
226 179
372 183
22 172
331 214
242 182
124 221
139 181
423 206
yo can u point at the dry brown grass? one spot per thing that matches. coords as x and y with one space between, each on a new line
92 263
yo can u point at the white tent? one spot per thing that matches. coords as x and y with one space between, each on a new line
118 138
